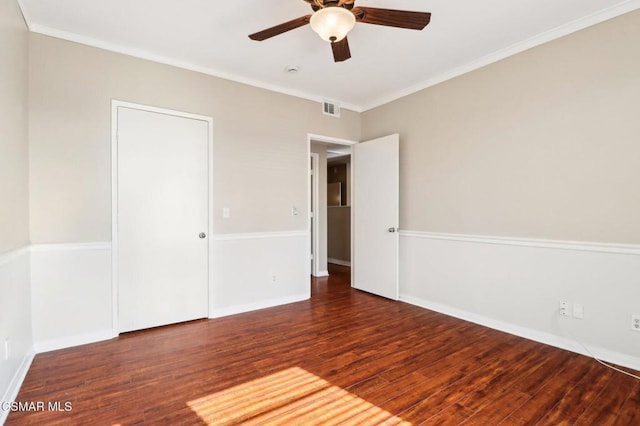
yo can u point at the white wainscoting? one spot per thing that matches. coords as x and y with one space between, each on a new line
515 285
245 266
15 323
71 294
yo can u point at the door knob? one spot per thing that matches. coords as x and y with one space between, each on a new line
392 229
202 235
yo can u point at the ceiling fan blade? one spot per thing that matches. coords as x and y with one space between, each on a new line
392 18
279 29
341 50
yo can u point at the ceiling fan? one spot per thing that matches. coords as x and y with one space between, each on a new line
333 19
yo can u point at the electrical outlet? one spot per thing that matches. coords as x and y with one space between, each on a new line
274 278
635 322
564 309
578 311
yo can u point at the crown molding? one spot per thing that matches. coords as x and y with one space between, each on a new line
149 56
25 14
537 40
561 31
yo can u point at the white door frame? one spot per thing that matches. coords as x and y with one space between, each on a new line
115 104
313 201
327 139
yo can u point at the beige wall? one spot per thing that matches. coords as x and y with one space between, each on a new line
339 218
544 144
14 151
339 233
260 140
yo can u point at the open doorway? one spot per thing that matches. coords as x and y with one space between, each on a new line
330 214
339 205
374 201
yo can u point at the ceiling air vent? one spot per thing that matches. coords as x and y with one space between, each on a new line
331 108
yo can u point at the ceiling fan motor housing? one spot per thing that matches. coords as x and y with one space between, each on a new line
320 4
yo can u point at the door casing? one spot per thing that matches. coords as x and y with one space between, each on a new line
331 140
313 209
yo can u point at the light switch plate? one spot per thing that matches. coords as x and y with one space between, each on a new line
578 310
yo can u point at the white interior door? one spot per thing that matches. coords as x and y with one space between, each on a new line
162 218
376 216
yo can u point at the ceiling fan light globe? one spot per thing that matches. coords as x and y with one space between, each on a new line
332 24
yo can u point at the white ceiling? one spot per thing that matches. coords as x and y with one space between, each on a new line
211 36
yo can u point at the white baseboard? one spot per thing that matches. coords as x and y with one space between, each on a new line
527 333
322 274
16 383
339 262
239 309
77 340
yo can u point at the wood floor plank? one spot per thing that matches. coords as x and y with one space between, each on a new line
630 411
578 399
431 405
607 407
498 409
551 394
526 364
447 349
344 357
369 385
553 366
454 414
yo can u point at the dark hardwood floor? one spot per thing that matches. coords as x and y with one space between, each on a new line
343 357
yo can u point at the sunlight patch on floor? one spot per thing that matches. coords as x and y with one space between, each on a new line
292 397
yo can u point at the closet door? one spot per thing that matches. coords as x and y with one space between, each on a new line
162 218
